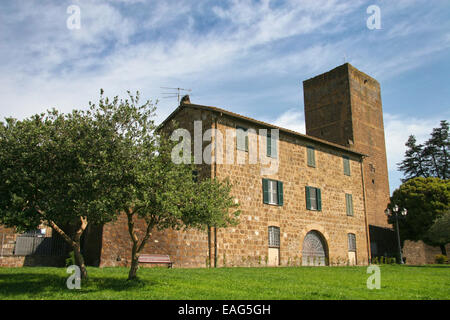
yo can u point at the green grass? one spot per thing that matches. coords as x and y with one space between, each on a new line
397 282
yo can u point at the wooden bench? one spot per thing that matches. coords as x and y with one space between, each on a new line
155 259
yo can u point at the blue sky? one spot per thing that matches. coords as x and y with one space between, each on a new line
246 56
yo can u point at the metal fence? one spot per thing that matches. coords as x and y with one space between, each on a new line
28 244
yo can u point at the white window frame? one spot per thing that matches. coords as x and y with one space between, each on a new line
272 188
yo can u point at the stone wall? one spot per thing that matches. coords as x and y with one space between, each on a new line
247 243
344 106
185 248
419 253
32 261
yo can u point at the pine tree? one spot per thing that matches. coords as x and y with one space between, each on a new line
429 159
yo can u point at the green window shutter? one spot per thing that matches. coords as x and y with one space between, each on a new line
265 184
269 145
280 192
311 157
346 161
347 207
319 200
308 198
349 204
350 198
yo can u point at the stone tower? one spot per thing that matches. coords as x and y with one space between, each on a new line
344 106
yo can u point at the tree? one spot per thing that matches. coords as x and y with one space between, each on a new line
426 199
54 170
162 194
439 231
430 159
414 165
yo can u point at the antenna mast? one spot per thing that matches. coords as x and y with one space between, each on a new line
176 93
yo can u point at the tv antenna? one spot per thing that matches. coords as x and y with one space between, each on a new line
345 57
175 93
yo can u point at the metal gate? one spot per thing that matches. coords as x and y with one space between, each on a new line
45 246
314 251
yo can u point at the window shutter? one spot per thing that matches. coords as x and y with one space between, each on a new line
241 139
308 199
311 157
265 184
349 204
351 242
269 145
347 208
319 200
346 161
274 146
280 192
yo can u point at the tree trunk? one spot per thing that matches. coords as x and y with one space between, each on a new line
209 248
79 261
132 275
215 247
75 244
136 248
443 249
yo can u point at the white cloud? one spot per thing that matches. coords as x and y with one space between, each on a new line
398 128
230 55
291 119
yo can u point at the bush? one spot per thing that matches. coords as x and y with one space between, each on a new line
441 259
71 259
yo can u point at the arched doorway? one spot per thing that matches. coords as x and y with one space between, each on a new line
315 251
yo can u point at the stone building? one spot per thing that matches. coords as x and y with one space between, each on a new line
344 106
304 199
315 208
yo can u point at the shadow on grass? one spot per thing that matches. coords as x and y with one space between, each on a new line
428 266
53 284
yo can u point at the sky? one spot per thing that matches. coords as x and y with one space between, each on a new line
246 56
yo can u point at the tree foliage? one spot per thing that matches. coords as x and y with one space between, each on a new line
53 169
430 159
154 189
426 199
69 170
439 231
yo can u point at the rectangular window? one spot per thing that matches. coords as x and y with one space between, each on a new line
272 192
274 237
241 138
311 157
271 146
346 161
313 199
351 242
349 204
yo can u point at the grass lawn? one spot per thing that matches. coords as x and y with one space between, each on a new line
299 283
